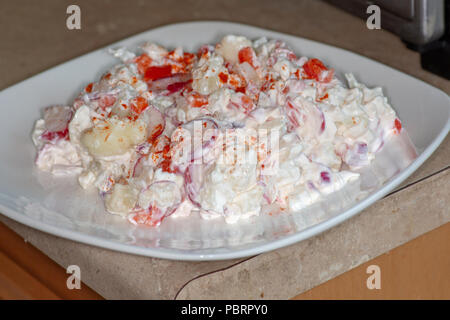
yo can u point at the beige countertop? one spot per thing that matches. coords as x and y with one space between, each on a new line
35 38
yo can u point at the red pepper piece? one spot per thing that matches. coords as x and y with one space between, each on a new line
138 104
313 68
247 55
157 72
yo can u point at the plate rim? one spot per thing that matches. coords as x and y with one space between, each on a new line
257 248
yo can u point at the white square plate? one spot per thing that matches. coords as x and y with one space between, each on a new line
60 207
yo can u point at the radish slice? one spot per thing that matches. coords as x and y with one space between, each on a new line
143 148
160 200
160 144
155 123
170 114
193 183
193 177
160 151
138 167
203 133
78 103
57 118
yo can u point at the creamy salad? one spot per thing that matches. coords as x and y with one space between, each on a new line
237 129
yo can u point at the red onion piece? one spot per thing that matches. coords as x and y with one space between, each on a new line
322 126
177 86
53 137
357 155
325 176
57 118
164 83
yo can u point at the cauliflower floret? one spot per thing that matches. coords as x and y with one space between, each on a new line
122 199
230 188
230 46
113 137
161 195
206 74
